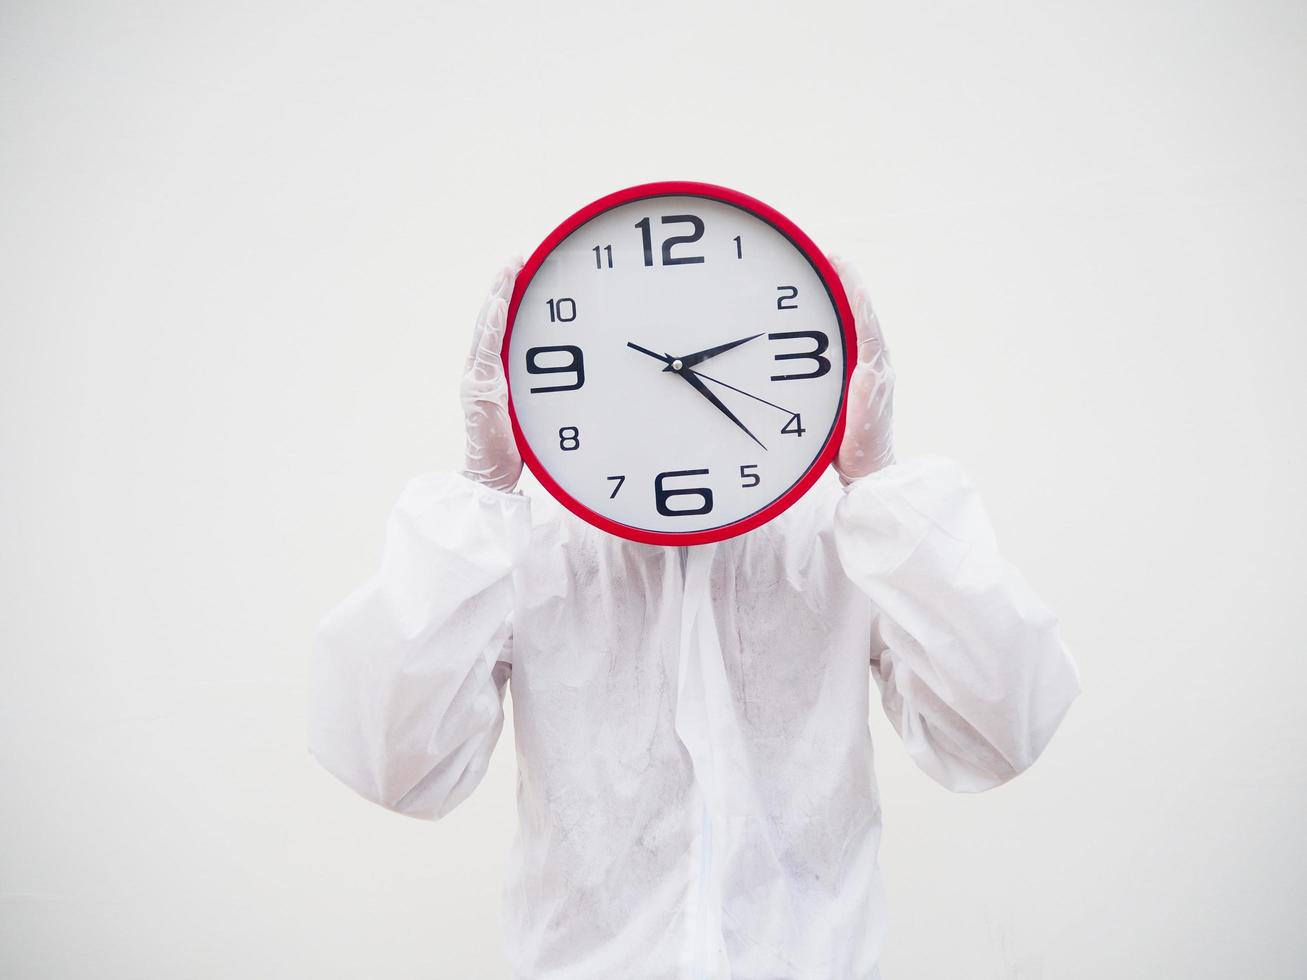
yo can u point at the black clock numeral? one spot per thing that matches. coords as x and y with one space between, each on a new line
739 248
620 480
794 427
697 225
569 434
646 235
663 494
575 366
607 252
647 238
749 476
821 343
787 293
561 310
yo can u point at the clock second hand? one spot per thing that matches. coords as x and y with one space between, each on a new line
746 394
665 358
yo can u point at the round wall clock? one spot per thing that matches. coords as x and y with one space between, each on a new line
678 356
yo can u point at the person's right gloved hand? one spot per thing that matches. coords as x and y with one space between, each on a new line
491 453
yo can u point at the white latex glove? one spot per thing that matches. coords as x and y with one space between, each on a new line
868 443
492 456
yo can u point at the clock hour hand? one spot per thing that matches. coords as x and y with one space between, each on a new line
703 389
690 360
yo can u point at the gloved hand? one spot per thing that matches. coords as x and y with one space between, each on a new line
868 443
492 456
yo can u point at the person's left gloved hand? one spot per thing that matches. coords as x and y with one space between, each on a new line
868 443
491 453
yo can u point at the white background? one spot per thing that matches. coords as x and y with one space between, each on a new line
241 246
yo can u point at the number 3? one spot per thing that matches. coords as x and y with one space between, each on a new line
821 342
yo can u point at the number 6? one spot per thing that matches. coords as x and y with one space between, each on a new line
662 494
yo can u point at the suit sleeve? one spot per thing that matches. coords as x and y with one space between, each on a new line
408 673
972 671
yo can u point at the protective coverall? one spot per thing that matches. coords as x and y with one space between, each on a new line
696 797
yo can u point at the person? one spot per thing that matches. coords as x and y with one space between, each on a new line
695 795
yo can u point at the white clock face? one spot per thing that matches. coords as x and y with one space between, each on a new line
677 368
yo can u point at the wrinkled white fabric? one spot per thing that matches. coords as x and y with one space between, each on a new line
696 799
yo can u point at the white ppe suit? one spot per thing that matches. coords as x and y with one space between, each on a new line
696 799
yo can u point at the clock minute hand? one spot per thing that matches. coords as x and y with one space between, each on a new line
702 389
676 365
690 360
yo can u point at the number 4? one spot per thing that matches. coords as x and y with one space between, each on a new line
794 426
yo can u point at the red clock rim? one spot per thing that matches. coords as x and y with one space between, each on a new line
687 188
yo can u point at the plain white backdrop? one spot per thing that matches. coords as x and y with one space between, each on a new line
241 248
